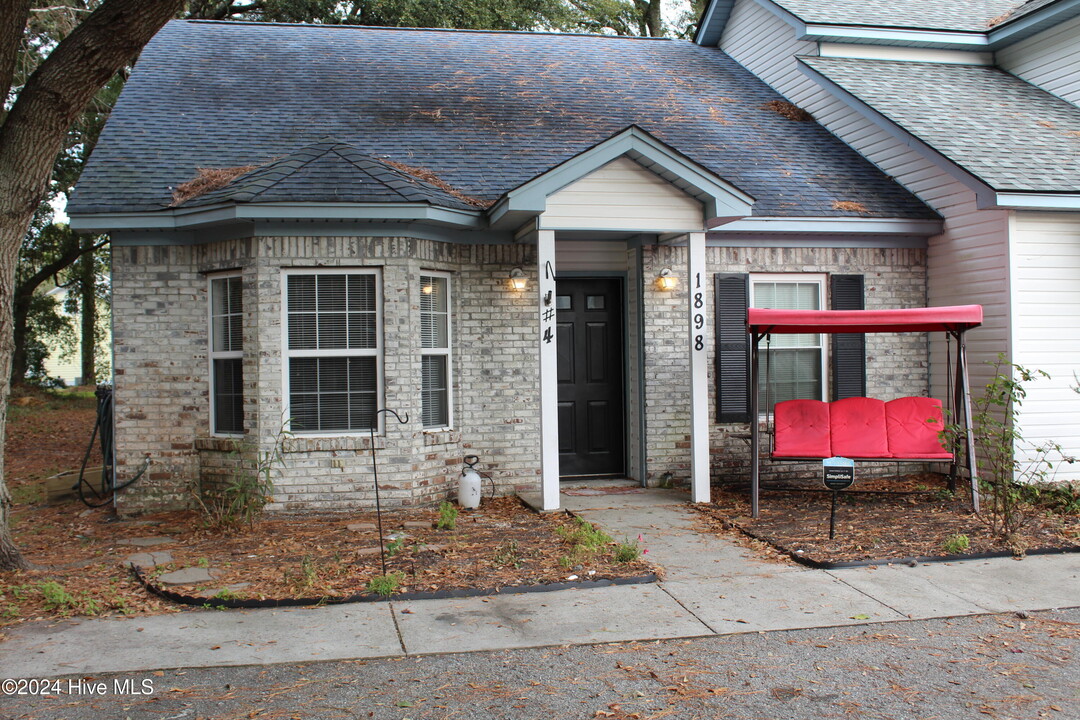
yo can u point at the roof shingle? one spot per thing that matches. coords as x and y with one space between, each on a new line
484 111
1011 135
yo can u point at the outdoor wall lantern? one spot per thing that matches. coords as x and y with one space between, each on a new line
666 282
518 281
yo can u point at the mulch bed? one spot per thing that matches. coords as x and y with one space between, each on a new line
880 519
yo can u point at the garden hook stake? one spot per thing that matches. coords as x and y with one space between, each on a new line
375 472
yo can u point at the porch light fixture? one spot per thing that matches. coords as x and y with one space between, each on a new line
666 282
518 281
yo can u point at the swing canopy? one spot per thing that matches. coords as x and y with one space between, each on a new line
949 319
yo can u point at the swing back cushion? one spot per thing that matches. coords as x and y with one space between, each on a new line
906 428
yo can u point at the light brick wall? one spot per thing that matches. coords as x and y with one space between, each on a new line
163 397
896 364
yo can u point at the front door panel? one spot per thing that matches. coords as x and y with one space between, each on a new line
590 341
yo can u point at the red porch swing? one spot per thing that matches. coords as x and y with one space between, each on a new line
864 429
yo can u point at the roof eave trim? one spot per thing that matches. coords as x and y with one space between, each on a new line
833 226
720 198
1038 201
969 180
946 39
193 218
713 21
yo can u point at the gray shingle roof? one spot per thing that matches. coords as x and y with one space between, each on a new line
1008 133
485 112
954 15
329 171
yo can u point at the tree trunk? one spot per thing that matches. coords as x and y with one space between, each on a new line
31 136
88 308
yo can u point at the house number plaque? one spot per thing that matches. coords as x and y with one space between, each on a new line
699 314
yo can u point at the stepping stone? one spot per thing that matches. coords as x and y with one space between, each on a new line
361 527
212 592
190 576
416 525
366 552
149 559
146 541
432 547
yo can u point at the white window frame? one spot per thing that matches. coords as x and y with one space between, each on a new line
213 354
377 352
446 352
821 280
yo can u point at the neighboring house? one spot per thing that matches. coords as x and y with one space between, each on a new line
62 363
480 229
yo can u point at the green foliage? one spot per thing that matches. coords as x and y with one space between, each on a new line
227 594
385 585
448 514
585 540
627 551
956 544
944 494
56 597
1006 461
508 554
249 489
395 546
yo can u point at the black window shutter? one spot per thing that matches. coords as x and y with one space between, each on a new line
732 295
848 349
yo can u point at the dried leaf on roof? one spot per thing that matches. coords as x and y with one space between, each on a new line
849 206
432 179
207 180
789 110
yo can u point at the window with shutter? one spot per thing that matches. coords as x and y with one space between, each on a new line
333 346
435 350
796 363
226 355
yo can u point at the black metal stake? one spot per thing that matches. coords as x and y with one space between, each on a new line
832 515
375 472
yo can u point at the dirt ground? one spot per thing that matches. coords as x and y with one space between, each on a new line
890 518
80 553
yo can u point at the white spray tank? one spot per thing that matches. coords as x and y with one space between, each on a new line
468 495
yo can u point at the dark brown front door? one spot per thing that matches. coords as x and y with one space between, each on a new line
590 341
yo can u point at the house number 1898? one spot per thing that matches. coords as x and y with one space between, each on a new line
699 318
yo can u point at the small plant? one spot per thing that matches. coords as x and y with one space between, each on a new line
385 585
627 551
202 562
250 487
508 554
956 544
309 573
395 546
227 594
944 494
448 514
566 562
56 597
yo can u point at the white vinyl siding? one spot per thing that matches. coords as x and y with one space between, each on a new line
226 355
1046 326
623 195
435 365
1049 59
590 255
333 346
794 365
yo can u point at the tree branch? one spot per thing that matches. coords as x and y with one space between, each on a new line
13 15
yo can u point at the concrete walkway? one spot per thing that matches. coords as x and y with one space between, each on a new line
711 587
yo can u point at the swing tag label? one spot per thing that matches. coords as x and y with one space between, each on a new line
838 472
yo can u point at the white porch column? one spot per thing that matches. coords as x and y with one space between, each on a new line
549 378
697 284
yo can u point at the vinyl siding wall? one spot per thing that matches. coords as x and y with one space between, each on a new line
622 195
966 264
1046 295
1049 60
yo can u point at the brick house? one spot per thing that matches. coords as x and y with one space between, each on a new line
542 247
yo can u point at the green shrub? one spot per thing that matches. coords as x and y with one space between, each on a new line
385 585
448 514
627 551
956 544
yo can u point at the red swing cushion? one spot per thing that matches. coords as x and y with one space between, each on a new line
913 425
802 429
858 428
